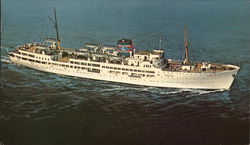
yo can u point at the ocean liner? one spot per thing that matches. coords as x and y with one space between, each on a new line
123 63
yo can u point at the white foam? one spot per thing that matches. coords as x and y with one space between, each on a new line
5 59
171 92
201 92
189 91
163 91
116 89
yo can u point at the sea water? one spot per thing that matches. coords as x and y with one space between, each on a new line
41 108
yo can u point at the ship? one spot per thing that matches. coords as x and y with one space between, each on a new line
123 63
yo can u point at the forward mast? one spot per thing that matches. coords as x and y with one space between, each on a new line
58 47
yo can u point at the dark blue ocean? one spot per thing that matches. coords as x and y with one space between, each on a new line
38 108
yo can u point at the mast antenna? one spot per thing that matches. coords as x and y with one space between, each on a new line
186 60
56 26
160 43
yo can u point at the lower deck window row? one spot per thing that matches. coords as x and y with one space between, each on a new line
126 69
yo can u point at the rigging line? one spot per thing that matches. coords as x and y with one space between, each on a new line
153 43
40 34
6 49
52 20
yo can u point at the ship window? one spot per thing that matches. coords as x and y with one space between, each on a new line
115 67
75 66
24 58
96 65
63 65
77 63
127 69
89 64
94 70
123 68
71 61
67 65
38 61
83 68
83 63
116 72
43 62
111 67
119 68
31 55
150 71
49 63
124 73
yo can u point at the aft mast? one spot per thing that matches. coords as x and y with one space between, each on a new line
186 60
58 47
160 47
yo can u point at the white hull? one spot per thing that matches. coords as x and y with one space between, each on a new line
213 80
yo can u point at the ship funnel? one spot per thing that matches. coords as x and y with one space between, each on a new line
125 45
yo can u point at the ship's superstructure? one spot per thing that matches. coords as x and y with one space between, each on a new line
124 64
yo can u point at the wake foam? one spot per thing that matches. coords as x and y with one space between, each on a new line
161 91
5 59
